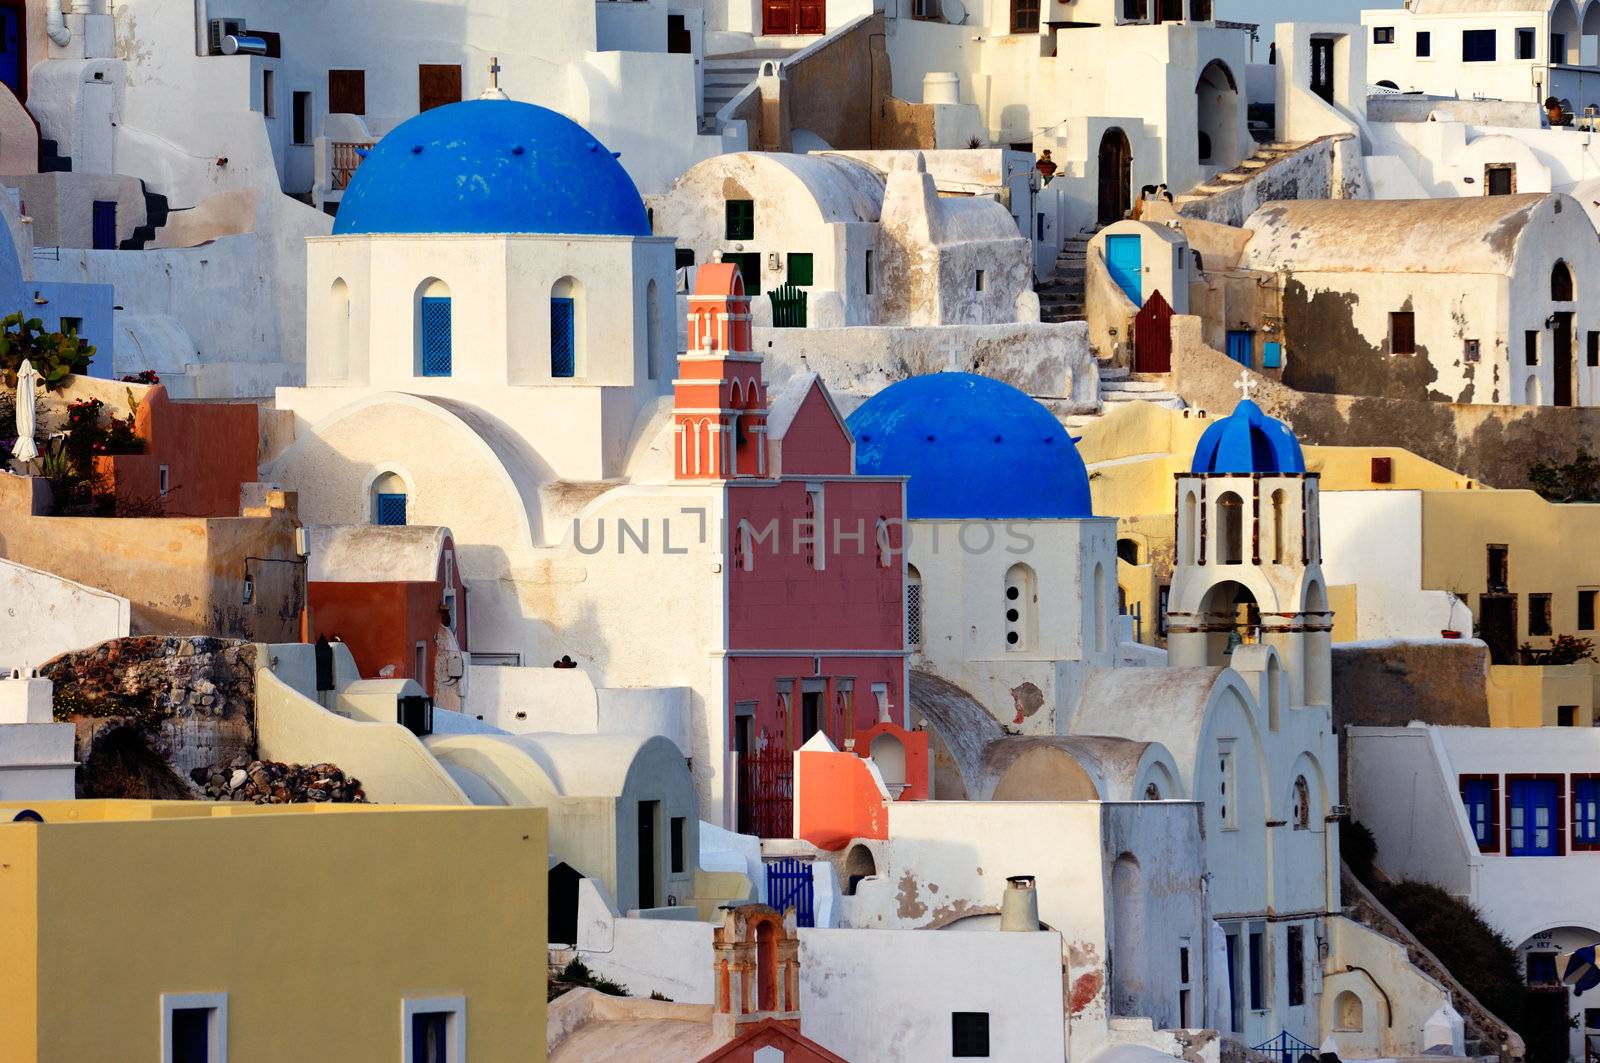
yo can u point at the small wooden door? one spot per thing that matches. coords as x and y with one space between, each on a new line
782 18
1562 355
437 85
1116 176
1497 625
1152 337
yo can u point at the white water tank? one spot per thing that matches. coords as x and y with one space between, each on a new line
941 88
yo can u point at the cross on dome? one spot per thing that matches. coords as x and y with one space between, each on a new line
494 91
1245 383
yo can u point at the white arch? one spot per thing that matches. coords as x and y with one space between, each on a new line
1021 606
338 360
1564 21
1532 393
652 325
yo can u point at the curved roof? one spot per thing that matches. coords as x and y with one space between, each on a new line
1471 234
960 721
1248 441
845 190
491 166
375 553
1112 764
973 447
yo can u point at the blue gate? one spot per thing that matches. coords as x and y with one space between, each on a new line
1241 348
1286 1047
789 885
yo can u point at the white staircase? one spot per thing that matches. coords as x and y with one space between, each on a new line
1118 386
727 75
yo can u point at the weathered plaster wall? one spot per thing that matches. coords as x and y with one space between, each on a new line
1491 444
921 977
181 576
1050 361
42 615
1389 684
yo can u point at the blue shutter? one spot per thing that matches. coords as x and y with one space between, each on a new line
563 339
435 337
1586 811
391 510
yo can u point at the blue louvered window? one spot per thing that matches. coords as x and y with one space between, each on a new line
1535 817
391 510
563 338
435 336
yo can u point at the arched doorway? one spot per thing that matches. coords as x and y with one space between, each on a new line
1230 618
1217 116
1116 176
1561 352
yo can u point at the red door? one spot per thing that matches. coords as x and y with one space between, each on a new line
782 18
1152 337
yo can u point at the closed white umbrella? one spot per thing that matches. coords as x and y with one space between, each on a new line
27 386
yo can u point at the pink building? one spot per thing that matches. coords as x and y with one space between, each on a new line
815 581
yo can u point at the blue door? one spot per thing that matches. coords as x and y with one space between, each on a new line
1535 820
1125 261
1241 347
105 223
11 43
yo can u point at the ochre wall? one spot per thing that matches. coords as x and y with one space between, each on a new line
317 924
209 450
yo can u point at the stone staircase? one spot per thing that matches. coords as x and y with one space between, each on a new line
727 75
1247 170
1119 386
1061 297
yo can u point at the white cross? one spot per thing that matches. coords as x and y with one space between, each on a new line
494 72
1245 383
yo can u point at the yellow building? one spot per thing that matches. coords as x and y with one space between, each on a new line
133 930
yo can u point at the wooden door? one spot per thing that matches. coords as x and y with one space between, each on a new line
1152 337
1497 626
347 92
1562 366
1116 176
437 85
782 18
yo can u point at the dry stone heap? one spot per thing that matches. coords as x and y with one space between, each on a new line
269 782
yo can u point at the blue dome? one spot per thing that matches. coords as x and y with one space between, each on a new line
491 166
973 448
1249 441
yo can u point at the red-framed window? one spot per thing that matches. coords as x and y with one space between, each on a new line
1535 815
1481 796
1585 812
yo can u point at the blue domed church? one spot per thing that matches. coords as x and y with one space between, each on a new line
496 253
1011 578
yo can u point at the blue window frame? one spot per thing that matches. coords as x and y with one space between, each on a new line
391 510
1480 795
1533 816
563 339
435 335
1586 811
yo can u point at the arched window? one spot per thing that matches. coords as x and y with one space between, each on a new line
1128 550
1230 529
1022 608
1561 283
767 966
1187 526
1279 533
652 339
1300 815
434 356
1097 605
913 607
890 757
388 501
566 329
339 331
1531 392
1318 649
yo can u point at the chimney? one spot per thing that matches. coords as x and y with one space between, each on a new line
1019 910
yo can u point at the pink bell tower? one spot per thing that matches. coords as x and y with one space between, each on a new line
720 403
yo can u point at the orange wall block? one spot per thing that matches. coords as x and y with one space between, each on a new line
836 800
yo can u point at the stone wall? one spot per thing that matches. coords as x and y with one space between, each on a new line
1391 683
188 702
1492 444
1313 172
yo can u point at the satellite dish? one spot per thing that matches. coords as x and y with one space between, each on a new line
955 12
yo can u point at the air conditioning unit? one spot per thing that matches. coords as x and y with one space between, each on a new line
219 30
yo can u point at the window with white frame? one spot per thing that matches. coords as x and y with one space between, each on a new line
194 1028
434 1030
